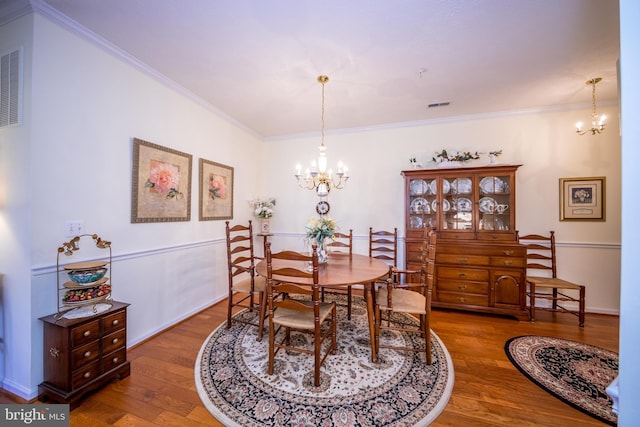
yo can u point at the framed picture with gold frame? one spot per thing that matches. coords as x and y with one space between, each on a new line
216 191
582 199
160 184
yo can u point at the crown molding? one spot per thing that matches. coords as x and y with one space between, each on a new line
10 10
45 10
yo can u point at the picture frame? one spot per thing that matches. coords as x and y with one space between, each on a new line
582 199
216 191
160 184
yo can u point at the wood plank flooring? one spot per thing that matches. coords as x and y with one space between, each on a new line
488 389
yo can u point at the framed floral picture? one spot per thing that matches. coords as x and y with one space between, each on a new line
582 199
161 184
216 191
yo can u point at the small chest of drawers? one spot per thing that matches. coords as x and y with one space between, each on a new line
83 354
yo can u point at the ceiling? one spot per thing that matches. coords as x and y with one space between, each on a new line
257 61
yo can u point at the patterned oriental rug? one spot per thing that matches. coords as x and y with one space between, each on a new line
232 381
574 372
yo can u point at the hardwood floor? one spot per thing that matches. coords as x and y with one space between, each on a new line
488 389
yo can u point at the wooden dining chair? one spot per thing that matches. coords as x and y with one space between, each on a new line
384 245
541 259
400 295
297 314
245 286
341 243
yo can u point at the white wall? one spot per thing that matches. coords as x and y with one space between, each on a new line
630 297
85 108
15 228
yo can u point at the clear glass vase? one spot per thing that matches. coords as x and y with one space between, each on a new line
321 248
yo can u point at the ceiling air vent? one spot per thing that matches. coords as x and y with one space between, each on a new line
438 104
10 88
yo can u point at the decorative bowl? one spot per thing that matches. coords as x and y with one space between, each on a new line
87 276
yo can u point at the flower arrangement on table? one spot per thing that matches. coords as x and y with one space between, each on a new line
454 156
263 208
318 230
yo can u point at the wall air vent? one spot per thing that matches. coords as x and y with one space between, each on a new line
438 104
10 85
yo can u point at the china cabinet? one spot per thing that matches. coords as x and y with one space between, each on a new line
479 264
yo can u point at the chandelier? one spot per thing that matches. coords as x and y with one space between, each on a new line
597 122
317 177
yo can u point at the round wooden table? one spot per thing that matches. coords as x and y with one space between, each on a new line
343 270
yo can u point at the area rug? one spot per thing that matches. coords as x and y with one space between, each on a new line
400 390
574 372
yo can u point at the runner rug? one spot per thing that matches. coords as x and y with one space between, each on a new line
232 381
574 372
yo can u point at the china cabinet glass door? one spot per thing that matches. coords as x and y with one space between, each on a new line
457 203
422 199
494 204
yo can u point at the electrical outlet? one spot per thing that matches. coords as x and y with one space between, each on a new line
73 228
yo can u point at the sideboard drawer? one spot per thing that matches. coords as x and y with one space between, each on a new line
114 321
507 261
113 341
463 298
114 359
463 286
85 354
462 259
85 374
85 333
476 274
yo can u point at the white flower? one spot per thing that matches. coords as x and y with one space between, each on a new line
263 208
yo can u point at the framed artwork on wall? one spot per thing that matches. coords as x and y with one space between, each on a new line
216 191
161 184
582 199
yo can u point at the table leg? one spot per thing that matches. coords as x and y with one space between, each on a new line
368 293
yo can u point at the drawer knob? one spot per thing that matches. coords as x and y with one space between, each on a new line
115 340
115 359
462 287
115 322
508 252
54 352
462 300
87 333
87 374
462 274
508 262
87 353
463 260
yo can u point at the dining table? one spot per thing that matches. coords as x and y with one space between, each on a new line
342 270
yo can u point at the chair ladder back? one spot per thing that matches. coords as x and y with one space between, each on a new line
384 245
240 260
541 254
342 240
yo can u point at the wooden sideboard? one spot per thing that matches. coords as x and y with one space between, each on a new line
83 354
479 264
